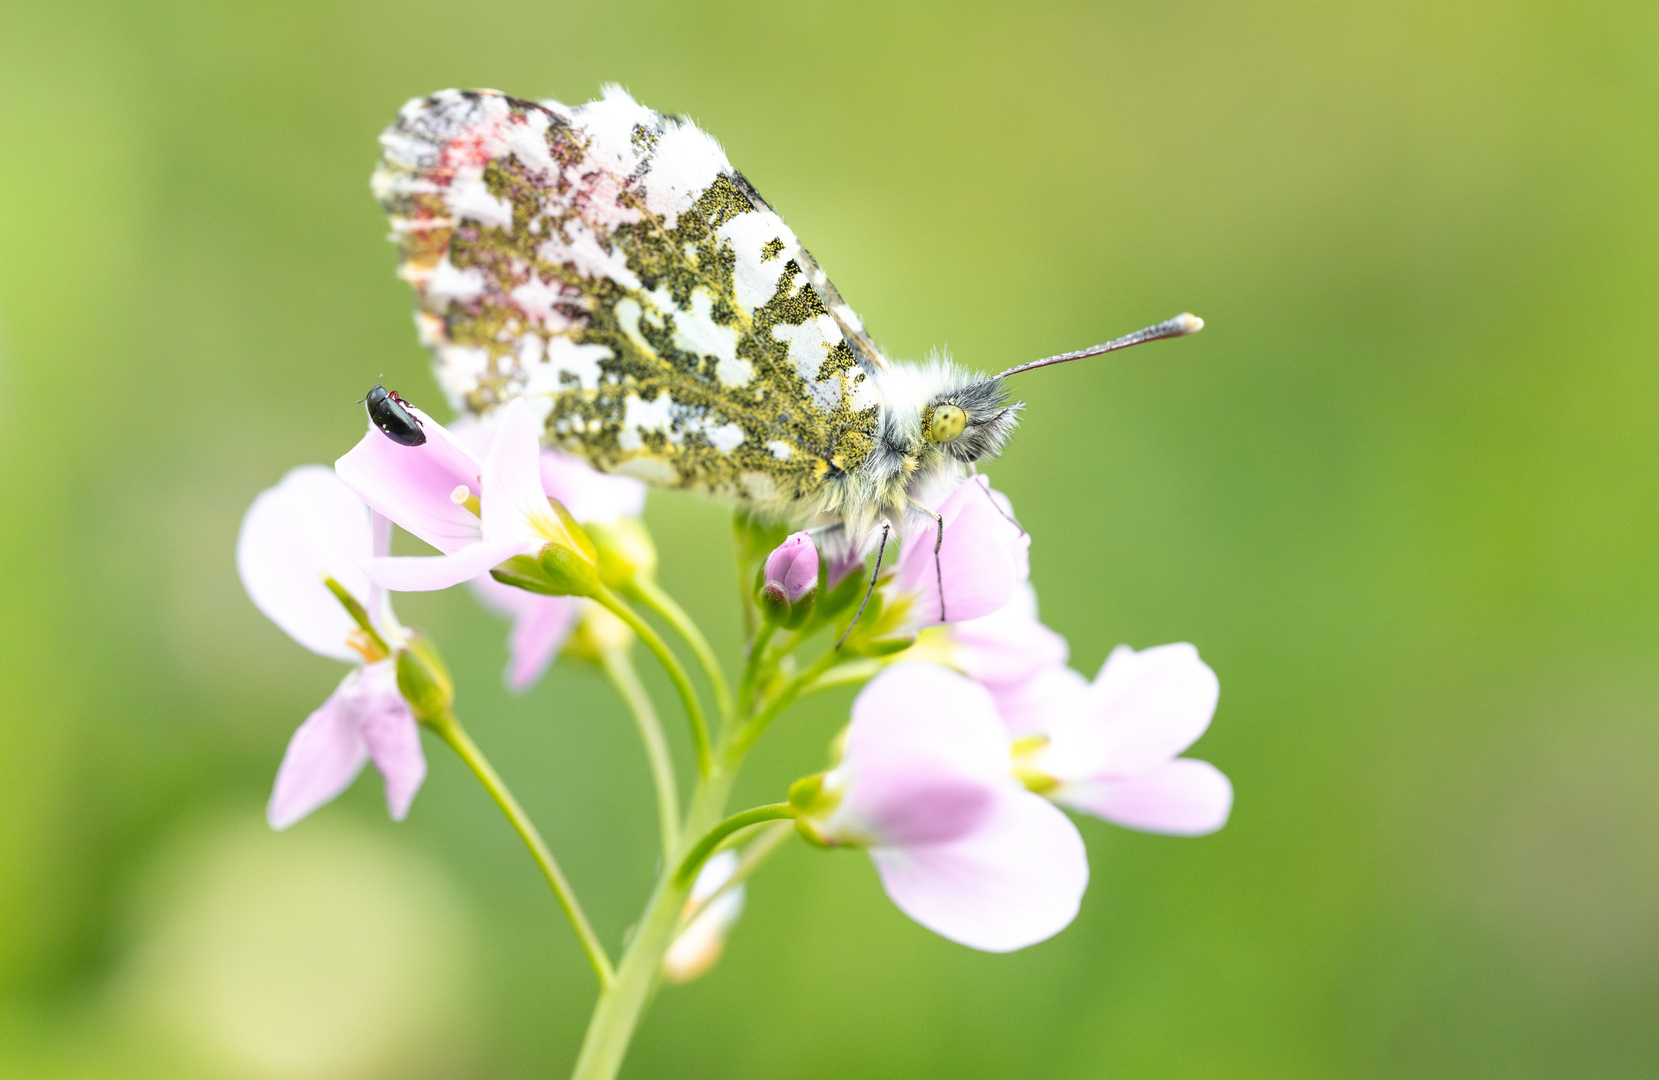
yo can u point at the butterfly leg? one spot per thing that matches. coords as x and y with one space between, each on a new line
886 527
938 542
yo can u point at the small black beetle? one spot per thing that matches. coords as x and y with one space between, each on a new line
388 412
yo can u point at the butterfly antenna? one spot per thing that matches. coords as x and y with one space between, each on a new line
1180 326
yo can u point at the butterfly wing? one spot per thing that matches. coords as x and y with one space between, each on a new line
607 264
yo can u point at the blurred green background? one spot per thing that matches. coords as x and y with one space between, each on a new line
1401 493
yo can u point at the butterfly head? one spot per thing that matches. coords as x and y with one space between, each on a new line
970 422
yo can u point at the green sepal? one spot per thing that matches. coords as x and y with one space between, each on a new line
569 572
781 613
847 591
807 795
525 572
881 631
424 681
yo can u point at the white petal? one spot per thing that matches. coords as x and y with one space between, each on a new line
428 573
1009 645
323 758
1013 882
514 504
1047 702
1182 798
1143 709
412 484
308 527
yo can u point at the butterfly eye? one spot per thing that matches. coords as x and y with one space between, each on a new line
946 423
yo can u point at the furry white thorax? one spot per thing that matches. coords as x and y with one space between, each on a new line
905 472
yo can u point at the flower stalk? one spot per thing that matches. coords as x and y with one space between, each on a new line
449 729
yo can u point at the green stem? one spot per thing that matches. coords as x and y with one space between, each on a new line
623 1001
785 698
649 593
676 674
711 840
751 668
620 667
449 729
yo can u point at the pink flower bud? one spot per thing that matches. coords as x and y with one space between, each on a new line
791 580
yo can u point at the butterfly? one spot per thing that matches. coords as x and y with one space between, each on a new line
607 264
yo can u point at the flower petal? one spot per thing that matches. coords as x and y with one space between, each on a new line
926 755
1143 709
306 528
1013 881
1045 703
587 493
323 758
514 504
391 736
427 573
1184 797
1007 646
412 484
982 559
540 626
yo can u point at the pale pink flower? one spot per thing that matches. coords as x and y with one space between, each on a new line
1114 753
427 490
960 845
982 559
305 530
700 943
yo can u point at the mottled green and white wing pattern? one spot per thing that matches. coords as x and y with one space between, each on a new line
607 264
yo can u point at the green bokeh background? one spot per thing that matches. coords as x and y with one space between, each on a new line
1401 493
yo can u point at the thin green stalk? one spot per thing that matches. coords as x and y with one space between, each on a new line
449 729
649 593
676 674
785 698
620 1005
711 840
751 668
620 667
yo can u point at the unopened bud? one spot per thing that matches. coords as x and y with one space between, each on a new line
708 915
625 551
791 581
423 679
597 632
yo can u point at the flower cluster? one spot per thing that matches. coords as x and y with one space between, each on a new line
968 743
